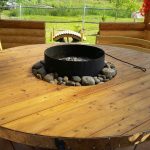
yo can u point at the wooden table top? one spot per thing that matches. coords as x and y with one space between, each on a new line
37 113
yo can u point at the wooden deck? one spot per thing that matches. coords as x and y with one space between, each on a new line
37 113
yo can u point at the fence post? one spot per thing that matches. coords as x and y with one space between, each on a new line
53 31
51 36
83 18
82 34
20 11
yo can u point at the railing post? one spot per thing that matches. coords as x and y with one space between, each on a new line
147 19
82 34
0 46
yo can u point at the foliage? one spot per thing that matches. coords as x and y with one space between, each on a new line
2 4
114 8
110 8
132 5
127 7
13 13
145 7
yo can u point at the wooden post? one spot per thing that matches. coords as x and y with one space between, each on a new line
53 31
147 19
5 145
0 46
51 36
82 34
67 39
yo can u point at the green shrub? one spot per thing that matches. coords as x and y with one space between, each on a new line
13 13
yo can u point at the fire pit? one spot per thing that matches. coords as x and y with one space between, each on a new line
74 65
73 59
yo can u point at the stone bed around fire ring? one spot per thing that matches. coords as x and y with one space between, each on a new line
107 73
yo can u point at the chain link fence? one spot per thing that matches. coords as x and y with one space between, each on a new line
22 11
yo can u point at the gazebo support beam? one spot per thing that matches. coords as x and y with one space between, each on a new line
147 19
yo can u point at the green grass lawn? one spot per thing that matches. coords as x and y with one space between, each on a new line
89 30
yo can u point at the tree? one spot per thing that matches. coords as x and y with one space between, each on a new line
128 5
2 4
145 11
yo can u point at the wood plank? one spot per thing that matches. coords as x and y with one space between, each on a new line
121 26
142 146
22 32
131 33
126 125
22 24
17 33
8 145
9 45
85 125
122 40
148 27
145 125
49 119
147 35
137 48
18 146
5 145
22 39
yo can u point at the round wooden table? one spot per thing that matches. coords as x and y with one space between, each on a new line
113 114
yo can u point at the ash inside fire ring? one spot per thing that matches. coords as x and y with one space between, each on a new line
75 59
108 72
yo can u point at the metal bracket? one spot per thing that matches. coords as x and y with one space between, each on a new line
60 144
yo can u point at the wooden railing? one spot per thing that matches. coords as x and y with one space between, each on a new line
16 33
134 30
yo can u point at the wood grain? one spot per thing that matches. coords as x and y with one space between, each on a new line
34 112
148 26
15 33
135 30
9 145
22 39
131 33
5 145
147 34
21 32
22 24
123 40
121 26
147 18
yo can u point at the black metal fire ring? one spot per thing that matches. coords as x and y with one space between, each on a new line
91 67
